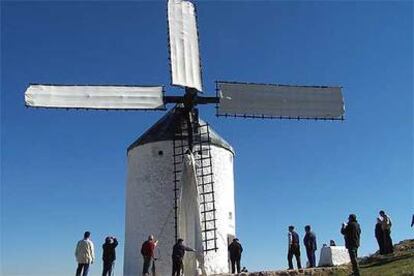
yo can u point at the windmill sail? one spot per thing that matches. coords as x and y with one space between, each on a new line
183 40
95 97
279 101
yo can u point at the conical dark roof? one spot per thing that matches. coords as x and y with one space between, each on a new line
165 128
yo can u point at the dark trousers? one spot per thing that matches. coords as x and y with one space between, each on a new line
388 247
353 255
177 266
235 262
148 263
82 270
107 268
294 250
311 257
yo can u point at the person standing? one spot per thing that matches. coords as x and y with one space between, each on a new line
386 229
177 257
379 235
310 244
85 254
293 247
147 251
108 255
352 233
235 250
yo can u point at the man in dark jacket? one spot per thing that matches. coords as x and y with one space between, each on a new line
235 251
294 248
178 256
352 232
310 244
109 255
379 235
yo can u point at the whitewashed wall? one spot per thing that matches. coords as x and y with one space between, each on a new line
150 201
217 262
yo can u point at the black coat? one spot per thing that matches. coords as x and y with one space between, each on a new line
235 250
310 241
179 251
109 251
379 233
351 233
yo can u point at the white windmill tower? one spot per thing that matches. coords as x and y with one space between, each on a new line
180 172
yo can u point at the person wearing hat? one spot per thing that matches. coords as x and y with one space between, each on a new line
178 256
352 232
108 255
147 252
235 250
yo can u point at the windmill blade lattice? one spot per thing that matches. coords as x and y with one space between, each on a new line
205 178
204 168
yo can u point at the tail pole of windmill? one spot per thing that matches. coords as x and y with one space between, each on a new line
180 171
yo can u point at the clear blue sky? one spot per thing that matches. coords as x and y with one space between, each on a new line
63 172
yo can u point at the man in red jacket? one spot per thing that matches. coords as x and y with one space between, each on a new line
147 251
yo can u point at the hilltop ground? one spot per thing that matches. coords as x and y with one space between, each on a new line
401 262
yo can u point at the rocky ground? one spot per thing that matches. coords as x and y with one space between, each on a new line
399 263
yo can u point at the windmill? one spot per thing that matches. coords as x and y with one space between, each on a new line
181 150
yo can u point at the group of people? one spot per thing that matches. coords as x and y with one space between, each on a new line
85 254
351 231
178 252
148 247
309 241
235 251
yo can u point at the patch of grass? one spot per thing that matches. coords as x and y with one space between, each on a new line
403 265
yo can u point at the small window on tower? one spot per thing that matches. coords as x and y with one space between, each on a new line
160 153
230 215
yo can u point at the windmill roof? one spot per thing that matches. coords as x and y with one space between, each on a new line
165 128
